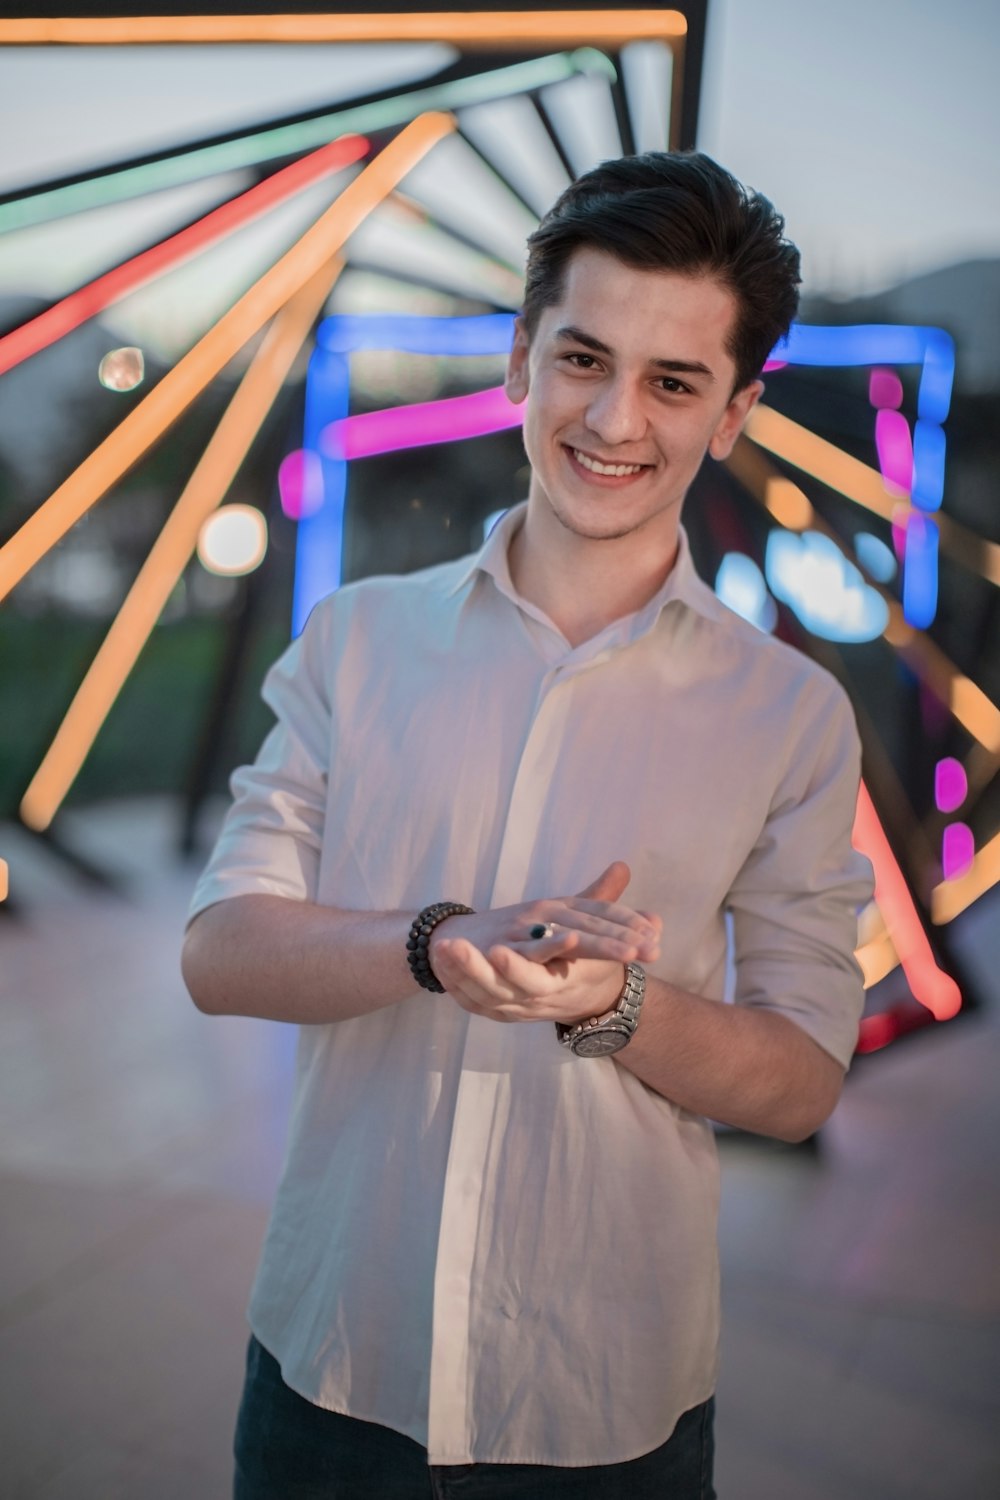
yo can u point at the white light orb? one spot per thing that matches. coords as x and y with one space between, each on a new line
122 369
233 540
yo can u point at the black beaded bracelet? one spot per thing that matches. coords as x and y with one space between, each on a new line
419 940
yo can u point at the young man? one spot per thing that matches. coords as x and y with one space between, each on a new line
491 1268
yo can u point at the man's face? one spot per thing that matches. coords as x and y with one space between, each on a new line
628 384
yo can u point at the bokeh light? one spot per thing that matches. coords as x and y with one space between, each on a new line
740 585
875 557
951 785
827 592
958 850
122 369
233 540
300 483
885 389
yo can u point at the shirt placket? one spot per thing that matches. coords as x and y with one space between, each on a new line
451 1422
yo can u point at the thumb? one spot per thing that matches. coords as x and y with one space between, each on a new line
610 884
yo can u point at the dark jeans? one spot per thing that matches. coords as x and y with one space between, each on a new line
288 1449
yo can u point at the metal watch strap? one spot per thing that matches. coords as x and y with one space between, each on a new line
598 1036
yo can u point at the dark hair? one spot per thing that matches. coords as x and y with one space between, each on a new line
675 211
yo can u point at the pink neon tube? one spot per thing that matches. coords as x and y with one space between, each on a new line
895 449
417 426
93 298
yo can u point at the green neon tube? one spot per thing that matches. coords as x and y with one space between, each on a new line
288 140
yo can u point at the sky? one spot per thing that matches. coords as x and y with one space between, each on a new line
872 124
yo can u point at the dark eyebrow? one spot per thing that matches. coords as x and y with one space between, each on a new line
674 366
577 336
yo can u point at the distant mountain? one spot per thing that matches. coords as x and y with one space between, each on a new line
964 299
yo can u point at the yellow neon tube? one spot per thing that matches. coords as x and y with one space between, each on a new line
181 385
172 550
608 28
862 484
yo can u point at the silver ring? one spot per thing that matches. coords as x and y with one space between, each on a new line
542 930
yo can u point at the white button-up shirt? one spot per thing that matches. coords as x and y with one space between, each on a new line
500 1249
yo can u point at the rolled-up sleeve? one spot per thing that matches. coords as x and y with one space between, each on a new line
796 900
271 837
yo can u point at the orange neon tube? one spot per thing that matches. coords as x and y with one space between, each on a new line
930 985
70 312
484 28
172 550
862 484
181 385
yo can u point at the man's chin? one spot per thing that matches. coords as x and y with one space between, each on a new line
594 529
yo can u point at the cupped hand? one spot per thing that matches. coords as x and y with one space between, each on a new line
491 965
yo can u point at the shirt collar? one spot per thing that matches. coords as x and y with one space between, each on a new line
681 583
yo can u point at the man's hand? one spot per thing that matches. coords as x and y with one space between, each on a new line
491 966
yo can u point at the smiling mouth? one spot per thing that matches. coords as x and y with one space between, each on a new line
613 471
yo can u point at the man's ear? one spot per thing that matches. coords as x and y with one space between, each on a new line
732 419
516 379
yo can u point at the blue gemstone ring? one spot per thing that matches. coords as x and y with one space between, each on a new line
542 930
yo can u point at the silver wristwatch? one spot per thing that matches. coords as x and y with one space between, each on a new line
602 1035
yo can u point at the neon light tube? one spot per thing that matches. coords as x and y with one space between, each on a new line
111 185
172 550
934 989
608 28
420 425
920 570
928 464
895 449
60 319
855 344
180 386
319 543
347 333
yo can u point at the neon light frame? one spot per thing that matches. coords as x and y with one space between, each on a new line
319 549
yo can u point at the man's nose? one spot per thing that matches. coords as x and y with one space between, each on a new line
615 414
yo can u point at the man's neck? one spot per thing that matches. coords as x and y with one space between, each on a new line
585 585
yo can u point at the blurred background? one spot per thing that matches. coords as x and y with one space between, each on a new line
254 301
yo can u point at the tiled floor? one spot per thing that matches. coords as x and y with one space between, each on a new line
139 1145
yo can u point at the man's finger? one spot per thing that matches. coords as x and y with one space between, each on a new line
563 943
613 942
610 884
531 978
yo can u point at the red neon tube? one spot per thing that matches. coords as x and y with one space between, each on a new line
67 314
930 985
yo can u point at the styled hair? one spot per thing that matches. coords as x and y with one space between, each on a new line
675 211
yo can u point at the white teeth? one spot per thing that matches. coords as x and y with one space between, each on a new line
597 468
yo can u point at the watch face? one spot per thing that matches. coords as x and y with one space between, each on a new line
600 1043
